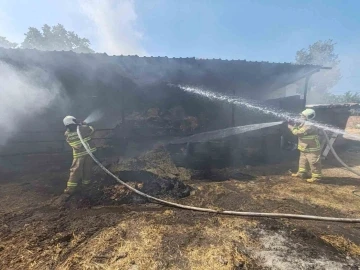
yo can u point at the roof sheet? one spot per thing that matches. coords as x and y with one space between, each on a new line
248 78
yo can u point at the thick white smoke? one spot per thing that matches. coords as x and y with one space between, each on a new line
115 25
23 95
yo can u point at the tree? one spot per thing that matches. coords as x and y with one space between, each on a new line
55 38
320 53
7 44
347 97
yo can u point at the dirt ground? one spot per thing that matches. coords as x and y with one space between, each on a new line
36 235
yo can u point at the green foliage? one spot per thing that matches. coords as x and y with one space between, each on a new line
348 97
55 38
7 44
321 53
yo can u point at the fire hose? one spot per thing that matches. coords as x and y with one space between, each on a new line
208 210
341 162
337 157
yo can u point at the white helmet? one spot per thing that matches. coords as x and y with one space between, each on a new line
309 114
69 120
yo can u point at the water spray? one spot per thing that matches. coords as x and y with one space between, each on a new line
94 116
270 111
252 105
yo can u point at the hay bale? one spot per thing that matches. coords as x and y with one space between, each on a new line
157 161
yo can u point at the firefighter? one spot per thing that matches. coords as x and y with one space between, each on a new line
80 171
309 147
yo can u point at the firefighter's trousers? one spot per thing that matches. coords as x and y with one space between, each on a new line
80 172
312 161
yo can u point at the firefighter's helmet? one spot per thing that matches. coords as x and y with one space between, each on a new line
309 114
69 120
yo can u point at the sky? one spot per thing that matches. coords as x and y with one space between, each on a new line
257 30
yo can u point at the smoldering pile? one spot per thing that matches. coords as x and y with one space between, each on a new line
152 172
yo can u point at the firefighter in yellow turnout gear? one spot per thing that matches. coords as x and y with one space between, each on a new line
80 171
309 147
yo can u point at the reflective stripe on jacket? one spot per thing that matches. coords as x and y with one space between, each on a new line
308 138
74 141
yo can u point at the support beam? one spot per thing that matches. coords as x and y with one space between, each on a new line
233 111
306 89
327 148
122 106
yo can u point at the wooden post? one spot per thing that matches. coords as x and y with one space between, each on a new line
122 109
122 102
306 89
326 151
233 111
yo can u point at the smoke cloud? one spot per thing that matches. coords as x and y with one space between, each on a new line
23 95
115 24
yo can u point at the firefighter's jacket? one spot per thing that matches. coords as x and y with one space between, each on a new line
308 137
74 141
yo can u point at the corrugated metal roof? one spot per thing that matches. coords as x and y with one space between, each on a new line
161 57
220 75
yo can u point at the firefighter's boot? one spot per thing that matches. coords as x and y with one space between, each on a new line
61 200
71 187
300 175
313 179
69 190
